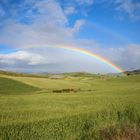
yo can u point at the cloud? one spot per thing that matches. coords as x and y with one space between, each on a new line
57 60
46 23
51 10
130 7
22 57
46 26
78 24
124 8
70 10
51 60
127 57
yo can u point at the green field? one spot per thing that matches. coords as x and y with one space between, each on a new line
76 107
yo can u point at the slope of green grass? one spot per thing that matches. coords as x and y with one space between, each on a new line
12 86
106 108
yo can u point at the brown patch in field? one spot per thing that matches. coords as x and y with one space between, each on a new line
126 132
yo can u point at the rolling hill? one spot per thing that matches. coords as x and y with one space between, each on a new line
8 86
79 106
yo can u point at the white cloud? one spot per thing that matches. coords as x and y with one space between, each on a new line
49 26
70 10
22 57
78 25
51 10
129 7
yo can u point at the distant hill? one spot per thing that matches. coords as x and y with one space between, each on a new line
75 74
80 74
133 72
13 73
49 75
19 74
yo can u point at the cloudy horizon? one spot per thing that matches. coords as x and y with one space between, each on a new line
109 29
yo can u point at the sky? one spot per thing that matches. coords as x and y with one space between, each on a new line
29 30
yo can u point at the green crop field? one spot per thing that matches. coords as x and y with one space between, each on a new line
75 107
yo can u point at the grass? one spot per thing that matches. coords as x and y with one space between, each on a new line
102 125
105 108
8 86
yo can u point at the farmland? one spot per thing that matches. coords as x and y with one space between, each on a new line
74 107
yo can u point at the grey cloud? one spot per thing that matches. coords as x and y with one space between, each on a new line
52 60
130 57
127 57
56 60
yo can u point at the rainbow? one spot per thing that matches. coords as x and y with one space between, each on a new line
91 54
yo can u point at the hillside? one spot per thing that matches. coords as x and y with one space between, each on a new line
9 86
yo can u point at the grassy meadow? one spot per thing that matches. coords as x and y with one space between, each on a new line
75 107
